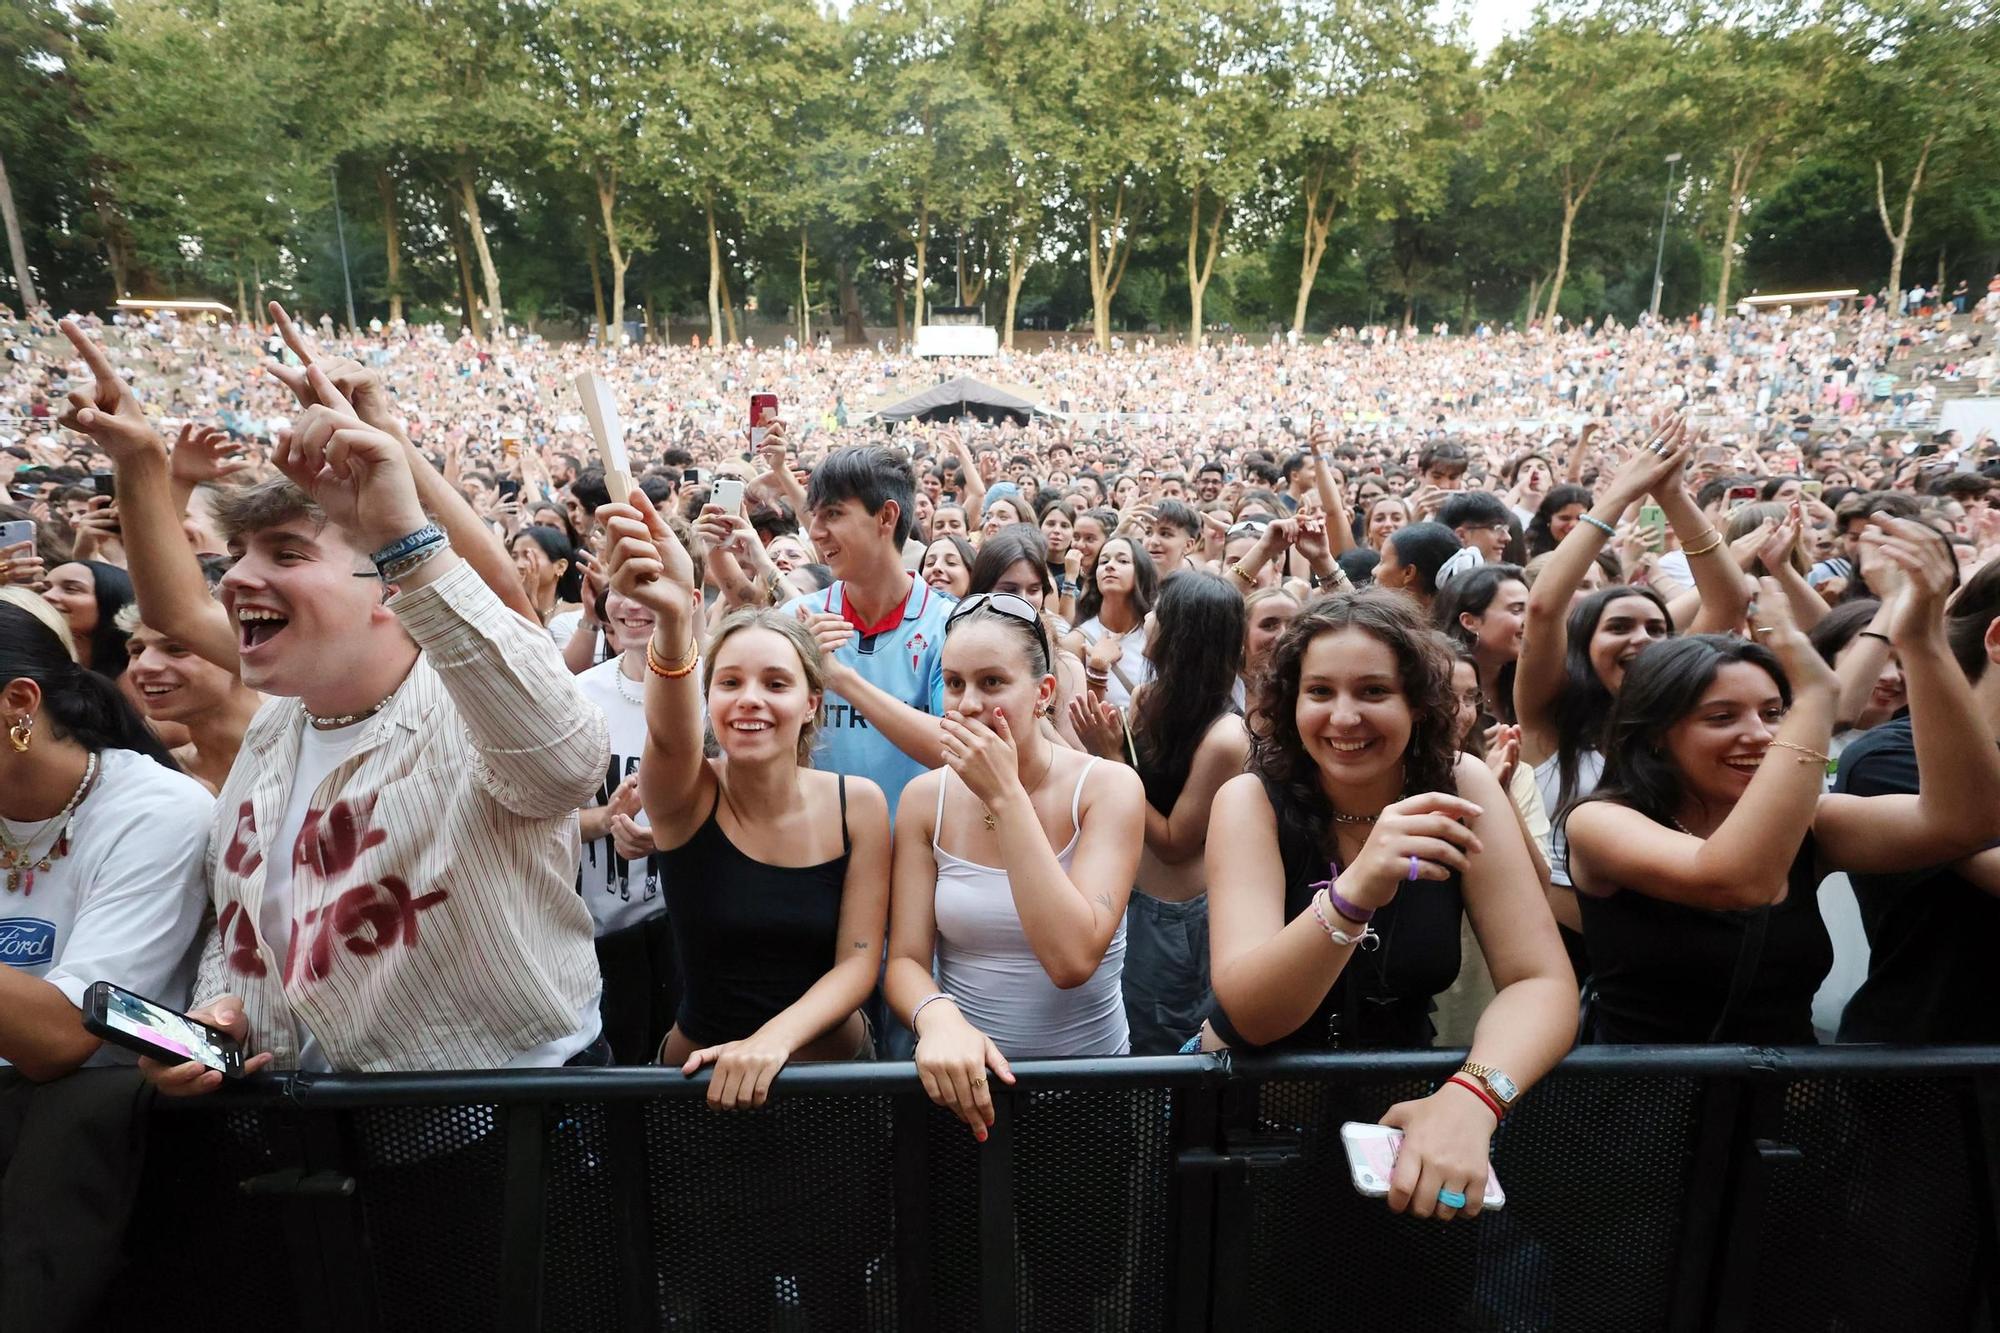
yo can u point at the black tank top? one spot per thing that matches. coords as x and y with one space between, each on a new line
1663 970
1383 996
752 937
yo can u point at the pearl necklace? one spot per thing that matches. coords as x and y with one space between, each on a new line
20 863
319 723
627 688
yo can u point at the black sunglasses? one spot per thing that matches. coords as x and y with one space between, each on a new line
1007 604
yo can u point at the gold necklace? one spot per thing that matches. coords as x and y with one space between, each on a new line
987 815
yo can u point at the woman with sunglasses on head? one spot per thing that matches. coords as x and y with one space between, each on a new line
1700 854
1187 739
1358 839
778 955
1014 561
1013 865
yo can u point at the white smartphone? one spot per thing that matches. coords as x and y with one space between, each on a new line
1371 1160
729 495
16 532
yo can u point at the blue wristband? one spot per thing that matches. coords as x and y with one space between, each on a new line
1599 524
402 546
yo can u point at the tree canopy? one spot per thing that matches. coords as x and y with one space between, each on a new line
1094 165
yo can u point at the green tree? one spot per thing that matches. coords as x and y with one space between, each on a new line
1918 102
1567 105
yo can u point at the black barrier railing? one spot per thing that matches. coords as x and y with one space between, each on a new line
1673 1189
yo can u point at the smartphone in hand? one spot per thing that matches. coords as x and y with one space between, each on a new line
763 411
728 495
1371 1161
154 1030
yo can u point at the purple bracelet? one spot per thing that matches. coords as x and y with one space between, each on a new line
1358 915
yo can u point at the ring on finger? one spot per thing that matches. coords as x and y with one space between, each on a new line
1452 1198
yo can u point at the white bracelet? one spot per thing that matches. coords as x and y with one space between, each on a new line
928 999
1365 938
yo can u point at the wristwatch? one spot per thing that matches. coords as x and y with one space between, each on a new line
1501 1088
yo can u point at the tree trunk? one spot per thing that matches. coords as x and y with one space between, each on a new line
853 329
805 296
114 243
257 281
1739 185
1107 266
496 314
1534 298
728 313
714 272
923 239
17 249
385 185
896 285
607 198
1562 259
1899 238
1020 254
466 294
242 296
1198 273
596 287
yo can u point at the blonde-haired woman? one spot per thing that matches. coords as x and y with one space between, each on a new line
777 955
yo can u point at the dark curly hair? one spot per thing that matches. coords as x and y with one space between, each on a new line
1423 661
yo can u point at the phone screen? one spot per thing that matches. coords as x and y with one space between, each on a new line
135 1017
763 411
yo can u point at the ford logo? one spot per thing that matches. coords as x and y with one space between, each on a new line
27 941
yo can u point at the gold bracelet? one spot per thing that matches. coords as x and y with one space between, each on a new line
1806 756
659 668
1714 540
1242 573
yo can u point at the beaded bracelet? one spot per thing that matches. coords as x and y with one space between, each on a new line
659 668
1366 938
1599 524
400 568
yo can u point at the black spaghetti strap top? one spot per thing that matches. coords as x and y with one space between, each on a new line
1664 971
1383 997
752 937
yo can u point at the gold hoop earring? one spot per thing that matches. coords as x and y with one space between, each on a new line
22 733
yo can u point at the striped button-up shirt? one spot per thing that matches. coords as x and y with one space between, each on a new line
435 922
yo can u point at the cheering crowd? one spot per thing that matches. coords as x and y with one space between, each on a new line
350 707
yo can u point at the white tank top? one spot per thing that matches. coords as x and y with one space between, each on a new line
1548 779
989 969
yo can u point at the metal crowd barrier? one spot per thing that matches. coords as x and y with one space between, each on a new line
1648 1188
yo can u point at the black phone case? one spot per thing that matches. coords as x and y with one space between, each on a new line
95 1024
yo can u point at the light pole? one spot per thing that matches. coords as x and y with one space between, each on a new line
1660 255
340 230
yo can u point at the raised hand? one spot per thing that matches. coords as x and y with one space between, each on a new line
109 413
360 386
20 567
1771 624
1923 566
358 474
96 529
643 559
206 454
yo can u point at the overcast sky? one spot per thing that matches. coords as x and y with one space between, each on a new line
1487 21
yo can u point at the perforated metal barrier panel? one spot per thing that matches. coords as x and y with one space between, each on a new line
1646 1190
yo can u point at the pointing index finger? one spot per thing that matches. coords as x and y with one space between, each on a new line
293 336
93 355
